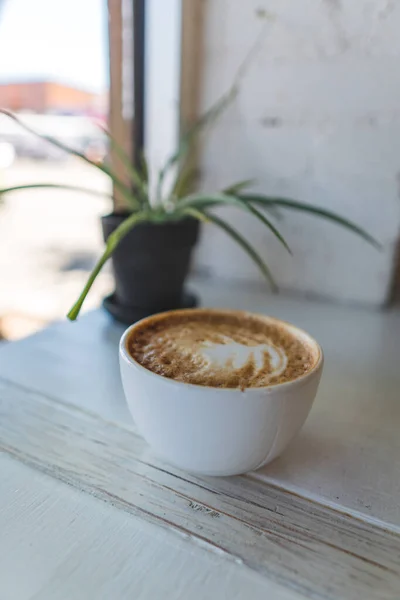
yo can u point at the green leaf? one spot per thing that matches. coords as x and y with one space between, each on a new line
201 200
197 201
314 210
273 211
60 186
144 167
235 188
134 175
259 215
211 115
192 132
119 184
239 239
112 242
192 212
185 182
208 201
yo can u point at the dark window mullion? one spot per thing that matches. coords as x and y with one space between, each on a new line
139 24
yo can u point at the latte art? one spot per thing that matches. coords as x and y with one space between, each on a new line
232 355
220 348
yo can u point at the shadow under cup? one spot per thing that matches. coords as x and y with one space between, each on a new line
218 431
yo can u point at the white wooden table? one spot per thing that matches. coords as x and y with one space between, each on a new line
87 512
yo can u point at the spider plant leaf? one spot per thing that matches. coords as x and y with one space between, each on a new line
185 182
235 188
187 139
60 186
72 188
273 211
201 201
193 212
134 175
144 167
261 217
244 244
72 152
213 113
314 210
112 242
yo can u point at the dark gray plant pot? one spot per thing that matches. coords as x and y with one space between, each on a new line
150 266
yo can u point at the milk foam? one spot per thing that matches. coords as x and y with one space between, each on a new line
231 355
218 349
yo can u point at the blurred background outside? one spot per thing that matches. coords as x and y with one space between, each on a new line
54 75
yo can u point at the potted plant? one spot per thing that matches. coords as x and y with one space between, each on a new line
151 243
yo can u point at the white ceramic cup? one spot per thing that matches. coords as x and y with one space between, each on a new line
217 431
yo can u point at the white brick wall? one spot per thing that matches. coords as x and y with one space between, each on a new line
317 119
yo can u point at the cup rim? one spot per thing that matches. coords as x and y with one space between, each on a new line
267 388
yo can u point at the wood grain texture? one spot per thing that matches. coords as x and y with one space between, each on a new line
120 128
311 549
59 544
345 454
191 58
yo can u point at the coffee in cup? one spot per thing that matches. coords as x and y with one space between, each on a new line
221 348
